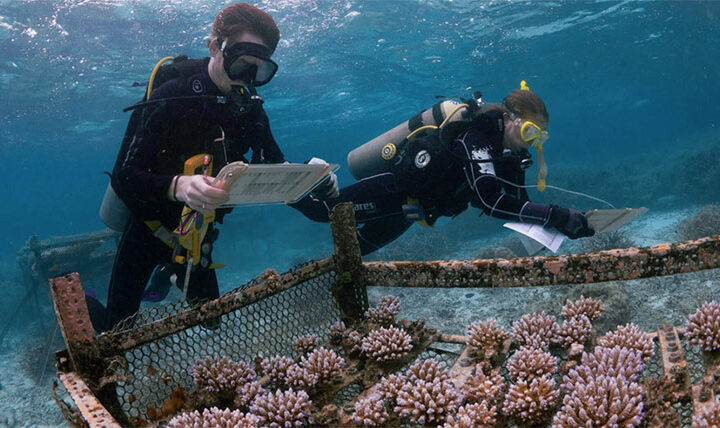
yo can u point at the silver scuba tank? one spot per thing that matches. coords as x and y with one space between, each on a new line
378 155
113 211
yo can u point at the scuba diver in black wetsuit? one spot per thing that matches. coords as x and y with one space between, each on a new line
206 106
440 173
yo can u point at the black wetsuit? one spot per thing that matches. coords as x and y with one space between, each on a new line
163 137
444 179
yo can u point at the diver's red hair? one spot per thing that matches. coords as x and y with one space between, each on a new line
239 18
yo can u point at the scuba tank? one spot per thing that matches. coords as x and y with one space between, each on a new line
384 151
113 210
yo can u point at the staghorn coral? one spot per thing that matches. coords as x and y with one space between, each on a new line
323 362
299 377
613 362
705 223
427 395
389 386
214 418
385 312
577 329
276 368
305 344
424 401
245 394
353 342
602 401
282 409
530 402
427 370
386 344
337 332
221 374
631 337
535 330
708 416
531 363
475 415
703 327
610 240
591 308
370 411
480 387
485 336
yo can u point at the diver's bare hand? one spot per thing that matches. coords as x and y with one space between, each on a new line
199 194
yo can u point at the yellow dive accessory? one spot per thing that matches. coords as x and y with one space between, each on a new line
152 75
529 131
444 122
388 151
193 224
536 136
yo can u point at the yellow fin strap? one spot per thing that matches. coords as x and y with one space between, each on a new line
524 86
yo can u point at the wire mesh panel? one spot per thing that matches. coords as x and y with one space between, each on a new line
266 328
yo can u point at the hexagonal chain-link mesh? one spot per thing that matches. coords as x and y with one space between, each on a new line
262 329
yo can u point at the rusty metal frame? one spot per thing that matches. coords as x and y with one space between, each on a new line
267 284
610 265
89 354
351 289
90 408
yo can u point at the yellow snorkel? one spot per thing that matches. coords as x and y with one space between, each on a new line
542 166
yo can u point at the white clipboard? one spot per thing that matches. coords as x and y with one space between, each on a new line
261 184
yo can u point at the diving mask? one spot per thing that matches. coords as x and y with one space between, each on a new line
249 62
529 131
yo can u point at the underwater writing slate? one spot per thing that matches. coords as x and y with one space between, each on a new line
259 184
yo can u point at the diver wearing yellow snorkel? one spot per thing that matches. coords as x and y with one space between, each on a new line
454 155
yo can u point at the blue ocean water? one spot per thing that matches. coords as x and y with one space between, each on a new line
620 78
626 83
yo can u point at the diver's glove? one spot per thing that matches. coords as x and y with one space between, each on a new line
569 222
328 188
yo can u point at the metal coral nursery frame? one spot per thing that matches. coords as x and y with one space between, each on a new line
116 378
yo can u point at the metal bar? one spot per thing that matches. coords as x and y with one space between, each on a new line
453 338
350 289
610 265
268 284
674 362
73 318
67 241
462 369
92 411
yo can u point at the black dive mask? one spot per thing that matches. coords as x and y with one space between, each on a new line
249 62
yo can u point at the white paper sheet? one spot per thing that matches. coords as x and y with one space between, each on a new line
550 238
